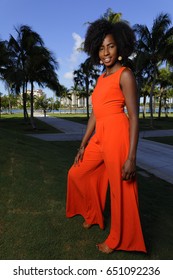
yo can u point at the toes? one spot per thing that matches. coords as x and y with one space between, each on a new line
85 225
104 248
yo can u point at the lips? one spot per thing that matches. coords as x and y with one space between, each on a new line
107 60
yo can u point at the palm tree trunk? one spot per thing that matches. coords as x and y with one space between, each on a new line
151 99
32 106
25 113
151 108
87 98
139 95
144 106
160 104
32 100
60 100
166 111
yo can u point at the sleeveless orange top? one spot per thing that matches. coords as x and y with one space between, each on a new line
107 97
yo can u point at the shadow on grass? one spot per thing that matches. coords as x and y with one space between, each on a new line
158 123
156 197
18 124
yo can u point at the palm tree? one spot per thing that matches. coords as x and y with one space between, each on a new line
40 69
4 58
20 49
153 47
85 78
111 16
33 62
0 102
165 83
79 93
64 93
43 103
5 63
7 73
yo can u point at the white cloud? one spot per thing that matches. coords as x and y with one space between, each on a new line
68 75
75 58
77 44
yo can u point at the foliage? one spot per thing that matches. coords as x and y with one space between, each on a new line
113 17
4 58
85 77
46 104
8 102
31 62
152 49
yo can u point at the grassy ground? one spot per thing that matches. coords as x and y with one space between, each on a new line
17 123
165 140
32 204
162 123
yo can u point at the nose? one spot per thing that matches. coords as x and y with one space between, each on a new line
106 51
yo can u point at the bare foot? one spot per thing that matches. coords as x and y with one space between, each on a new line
104 248
86 226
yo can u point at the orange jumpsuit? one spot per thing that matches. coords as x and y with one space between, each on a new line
103 159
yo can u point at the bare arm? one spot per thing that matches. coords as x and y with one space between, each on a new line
89 130
129 88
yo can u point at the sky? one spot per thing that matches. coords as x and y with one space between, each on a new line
62 24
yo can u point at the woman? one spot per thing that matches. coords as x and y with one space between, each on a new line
109 155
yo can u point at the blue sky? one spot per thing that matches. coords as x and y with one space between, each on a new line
61 24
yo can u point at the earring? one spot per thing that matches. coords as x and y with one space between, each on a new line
101 62
120 58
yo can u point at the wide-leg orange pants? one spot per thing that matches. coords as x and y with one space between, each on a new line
87 185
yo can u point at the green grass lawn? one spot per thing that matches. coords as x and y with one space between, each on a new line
165 140
162 123
32 205
16 122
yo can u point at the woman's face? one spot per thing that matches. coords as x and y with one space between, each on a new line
108 51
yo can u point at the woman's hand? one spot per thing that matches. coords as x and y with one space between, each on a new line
129 169
89 131
79 155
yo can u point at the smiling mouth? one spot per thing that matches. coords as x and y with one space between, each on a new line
107 60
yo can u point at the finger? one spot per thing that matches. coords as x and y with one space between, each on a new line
81 157
76 161
132 176
126 177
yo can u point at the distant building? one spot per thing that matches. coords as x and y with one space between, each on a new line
37 92
74 101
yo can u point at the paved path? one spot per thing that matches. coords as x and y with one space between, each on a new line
154 157
71 130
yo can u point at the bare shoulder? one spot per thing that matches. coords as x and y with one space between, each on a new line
127 73
127 77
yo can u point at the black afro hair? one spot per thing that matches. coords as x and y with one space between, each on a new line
99 29
125 39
